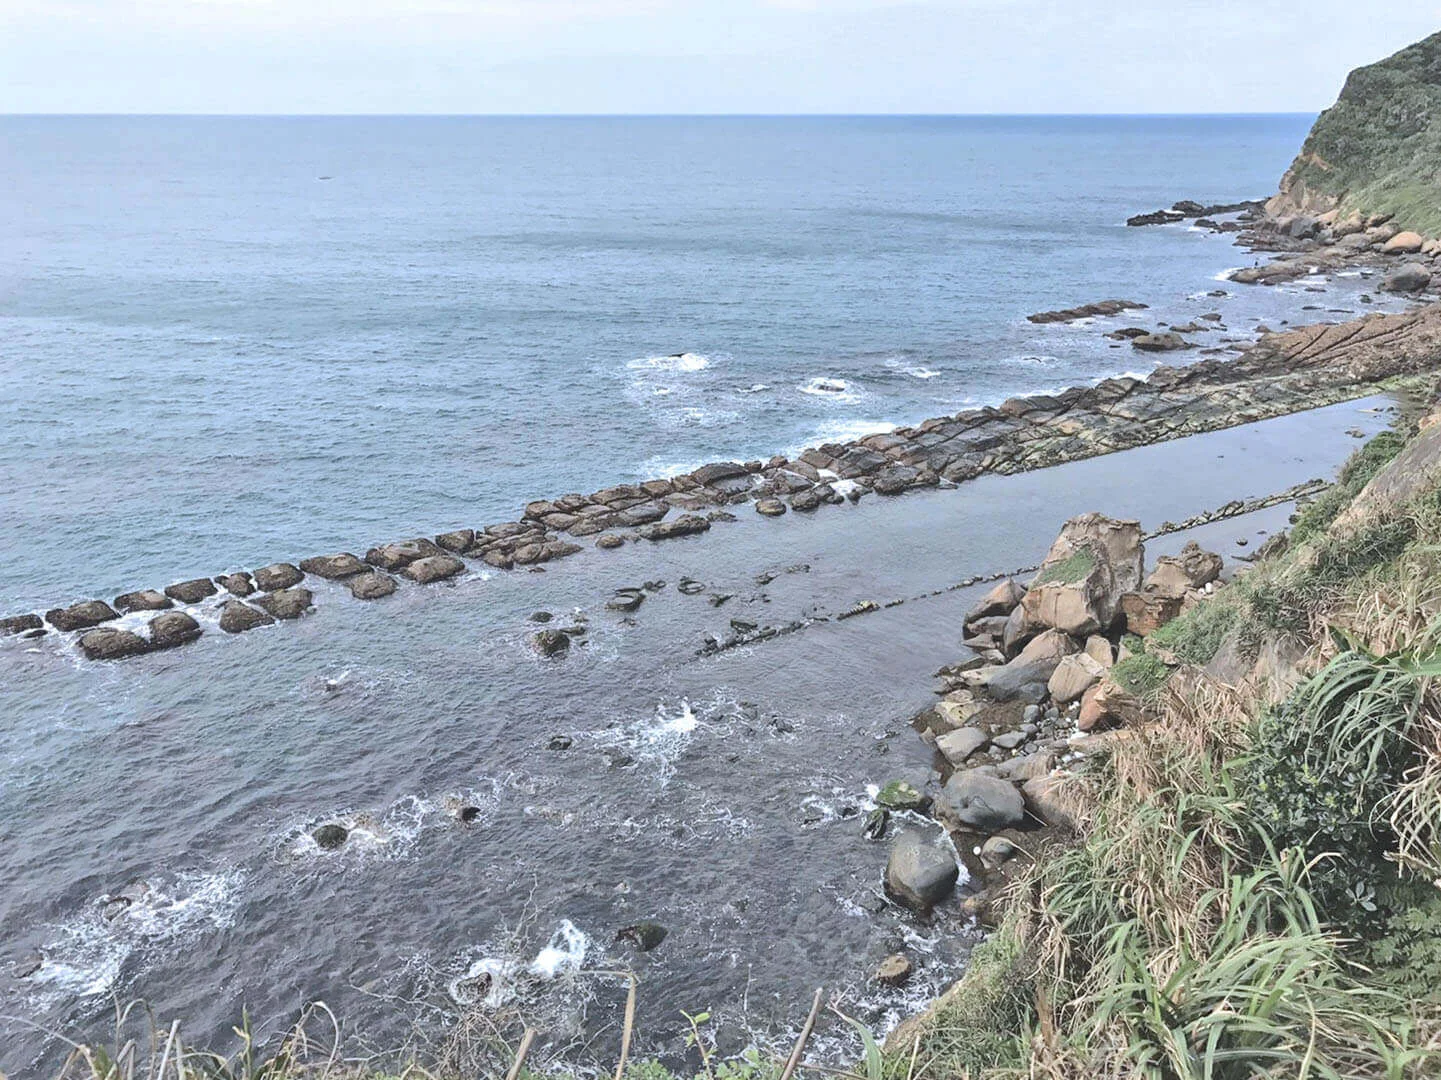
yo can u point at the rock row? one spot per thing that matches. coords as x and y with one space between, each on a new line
1282 373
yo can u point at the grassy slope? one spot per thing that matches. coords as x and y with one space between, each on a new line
1256 891
1378 149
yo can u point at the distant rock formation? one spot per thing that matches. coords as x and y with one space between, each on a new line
1376 153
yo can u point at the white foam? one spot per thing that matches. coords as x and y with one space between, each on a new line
1225 275
842 431
915 371
680 362
830 388
563 954
91 949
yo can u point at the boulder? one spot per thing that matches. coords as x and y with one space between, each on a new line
1027 766
109 643
642 514
21 624
645 936
287 603
332 567
144 600
1019 629
1147 611
237 617
713 474
607 541
279 575
770 507
1099 649
1411 278
1166 342
1091 564
978 800
191 592
996 851
236 584
1107 704
1019 682
397 555
1048 647
685 525
1176 575
1000 600
433 568
1073 676
456 542
371 586
80 616
920 874
1404 243
1050 799
956 746
172 628
550 642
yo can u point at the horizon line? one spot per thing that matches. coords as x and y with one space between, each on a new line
654 115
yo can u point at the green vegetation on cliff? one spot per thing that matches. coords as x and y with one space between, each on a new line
1378 149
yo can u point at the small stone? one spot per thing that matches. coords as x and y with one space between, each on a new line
606 541
894 970
997 850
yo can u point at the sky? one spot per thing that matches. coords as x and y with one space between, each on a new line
692 56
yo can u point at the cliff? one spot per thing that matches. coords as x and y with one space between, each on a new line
1377 151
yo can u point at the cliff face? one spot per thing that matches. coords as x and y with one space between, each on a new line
1378 149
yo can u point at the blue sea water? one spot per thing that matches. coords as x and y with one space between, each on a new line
229 340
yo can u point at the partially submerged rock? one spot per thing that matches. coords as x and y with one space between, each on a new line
238 584
191 592
236 617
371 586
333 567
111 643
433 568
550 642
79 616
395 556
277 576
21 624
685 525
144 600
330 837
172 628
287 603
919 874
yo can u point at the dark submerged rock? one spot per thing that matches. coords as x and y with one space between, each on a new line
191 592
144 600
645 936
277 576
79 616
330 837
172 628
237 617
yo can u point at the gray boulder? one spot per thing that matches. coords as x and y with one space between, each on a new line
550 642
1019 681
279 575
191 592
237 617
457 542
685 525
371 586
333 567
21 624
287 603
1001 600
395 556
109 643
433 568
919 874
236 584
1411 278
1167 342
172 628
79 616
143 600
980 801
956 746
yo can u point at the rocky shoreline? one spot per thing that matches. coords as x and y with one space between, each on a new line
1282 373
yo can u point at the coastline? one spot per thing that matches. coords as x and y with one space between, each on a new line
1282 373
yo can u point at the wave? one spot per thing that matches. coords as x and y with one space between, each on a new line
679 362
831 388
915 371
842 431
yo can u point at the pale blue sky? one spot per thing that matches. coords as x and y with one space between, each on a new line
682 56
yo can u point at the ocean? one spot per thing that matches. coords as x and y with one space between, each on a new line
229 341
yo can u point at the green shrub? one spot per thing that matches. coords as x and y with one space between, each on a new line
1355 474
1321 769
1073 567
1196 636
1141 673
